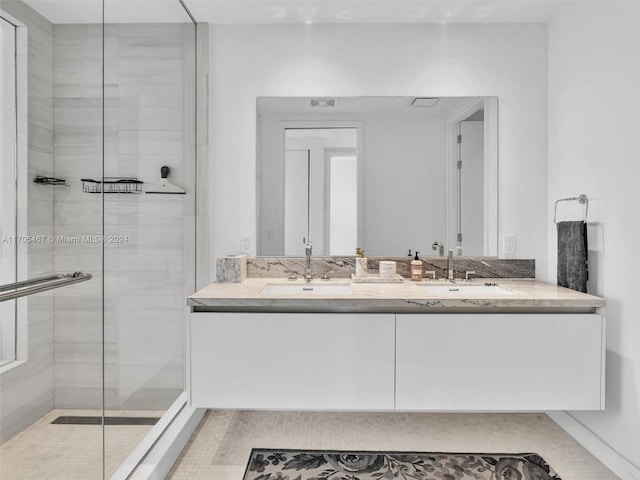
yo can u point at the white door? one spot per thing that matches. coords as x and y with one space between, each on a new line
342 199
472 188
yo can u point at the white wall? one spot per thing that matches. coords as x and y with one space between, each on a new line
404 183
594 125
508 61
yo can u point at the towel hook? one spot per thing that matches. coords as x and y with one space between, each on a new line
582 199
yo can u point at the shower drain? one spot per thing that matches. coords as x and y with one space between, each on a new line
97 420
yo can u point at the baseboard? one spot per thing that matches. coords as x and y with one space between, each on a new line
617 463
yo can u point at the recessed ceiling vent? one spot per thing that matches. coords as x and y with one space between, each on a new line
424 101
323 102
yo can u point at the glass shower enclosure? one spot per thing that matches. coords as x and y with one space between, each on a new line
98 218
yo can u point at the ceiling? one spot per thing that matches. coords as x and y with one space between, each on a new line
304 11
374 11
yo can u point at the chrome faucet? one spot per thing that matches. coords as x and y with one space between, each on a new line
307 272
450 265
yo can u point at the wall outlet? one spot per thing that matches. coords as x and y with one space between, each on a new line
509 246
245 243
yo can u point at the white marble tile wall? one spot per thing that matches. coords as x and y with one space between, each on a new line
147 75
26 390
78 154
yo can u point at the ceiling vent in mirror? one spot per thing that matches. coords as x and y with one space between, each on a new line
424 101
323 102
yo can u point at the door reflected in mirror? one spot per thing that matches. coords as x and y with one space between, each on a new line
381 173
341 226
320 200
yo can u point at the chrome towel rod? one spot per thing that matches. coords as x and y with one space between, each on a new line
582 198
41 284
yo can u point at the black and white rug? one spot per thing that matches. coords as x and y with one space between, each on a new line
272 464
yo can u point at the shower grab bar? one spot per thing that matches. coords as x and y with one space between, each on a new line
41 284
582 198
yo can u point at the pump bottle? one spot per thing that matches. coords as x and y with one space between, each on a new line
416 269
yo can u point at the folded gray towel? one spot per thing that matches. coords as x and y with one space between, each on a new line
572 255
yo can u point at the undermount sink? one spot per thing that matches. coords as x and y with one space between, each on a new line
463 289
306 289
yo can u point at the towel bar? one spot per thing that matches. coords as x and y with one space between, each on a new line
582 198
41 284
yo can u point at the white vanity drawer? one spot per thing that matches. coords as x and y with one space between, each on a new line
292 361
500 362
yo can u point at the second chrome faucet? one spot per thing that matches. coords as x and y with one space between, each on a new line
308 276
450 265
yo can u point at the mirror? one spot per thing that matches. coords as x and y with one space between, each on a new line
381 173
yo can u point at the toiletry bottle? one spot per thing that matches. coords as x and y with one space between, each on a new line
361 263
416 269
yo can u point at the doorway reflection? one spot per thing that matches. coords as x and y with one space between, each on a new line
321 190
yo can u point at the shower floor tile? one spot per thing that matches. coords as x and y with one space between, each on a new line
221 445
70 452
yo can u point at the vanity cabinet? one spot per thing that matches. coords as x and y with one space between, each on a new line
368 361
292 361
500 362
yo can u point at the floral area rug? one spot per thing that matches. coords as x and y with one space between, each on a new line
270 464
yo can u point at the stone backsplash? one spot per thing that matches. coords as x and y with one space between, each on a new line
344 267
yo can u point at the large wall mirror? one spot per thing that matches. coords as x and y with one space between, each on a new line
387 174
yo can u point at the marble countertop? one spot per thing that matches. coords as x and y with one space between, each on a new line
524 295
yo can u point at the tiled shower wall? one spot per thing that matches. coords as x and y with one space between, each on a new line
26 390
77 142
149 249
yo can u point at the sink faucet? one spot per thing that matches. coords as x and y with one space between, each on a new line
450 265
307 272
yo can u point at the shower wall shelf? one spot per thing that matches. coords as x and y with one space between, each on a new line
112 185
50 181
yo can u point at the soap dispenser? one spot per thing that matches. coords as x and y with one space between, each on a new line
361 263
416 269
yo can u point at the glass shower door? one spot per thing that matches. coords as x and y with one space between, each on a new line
51 392
107 101
149 249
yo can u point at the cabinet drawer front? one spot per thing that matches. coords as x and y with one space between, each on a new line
499 362
292 361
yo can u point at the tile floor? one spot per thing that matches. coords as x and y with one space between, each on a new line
220 447
70 452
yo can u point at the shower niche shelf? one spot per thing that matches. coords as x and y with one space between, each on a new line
41 180
112 185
